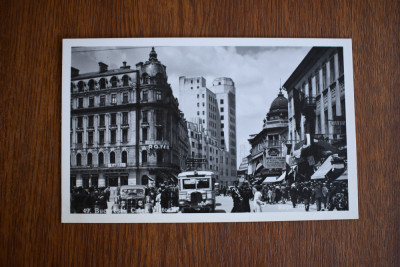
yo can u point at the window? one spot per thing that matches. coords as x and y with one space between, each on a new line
113 118
102 120
332 69
125 98
144 134
125 118
222 109
90 138
89 159
114 99
324 77
193 144
101 158
159 156
222 125
90 121
112 157
80 102
80 122
80 86
101 137
124 157
79 138
222 117
113 134
102 100
198 95
78 160
158 95
91 102
222 133
191 81
159 117
204 112
221 101
198 80
317 87
102 83
340 59
144 156
198 113
144 117
198 104
113 82
125 80
91 85
124 135
159 133
145 96
202 96
203 104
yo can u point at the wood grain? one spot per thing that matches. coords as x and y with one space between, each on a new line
30 183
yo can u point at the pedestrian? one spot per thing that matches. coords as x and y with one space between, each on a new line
324 194
269 195
257 199
293 194
306 195
237 197
247 194
318 195
165 197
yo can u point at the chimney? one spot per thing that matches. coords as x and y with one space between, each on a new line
124 66
103 67
74 72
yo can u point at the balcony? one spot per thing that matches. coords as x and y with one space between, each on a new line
113 126
309 104
125 125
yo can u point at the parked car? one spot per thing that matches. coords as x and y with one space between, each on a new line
131 199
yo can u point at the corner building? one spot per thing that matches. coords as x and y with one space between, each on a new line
126 127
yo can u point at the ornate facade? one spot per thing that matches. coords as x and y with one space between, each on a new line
126 126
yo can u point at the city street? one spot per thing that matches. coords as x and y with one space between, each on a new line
225 205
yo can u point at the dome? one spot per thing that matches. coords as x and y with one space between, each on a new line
279 104
153 66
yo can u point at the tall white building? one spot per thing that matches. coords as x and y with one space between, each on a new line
215 111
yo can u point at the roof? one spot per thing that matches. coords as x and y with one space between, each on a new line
101 74
310 59
198 172
279 103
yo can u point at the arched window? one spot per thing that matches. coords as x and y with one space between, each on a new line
124 157
112 157
159 78
144 156
80 86
125 80
78 160
113 82
102 83
145 78
159 156
91 85
101 158
89 159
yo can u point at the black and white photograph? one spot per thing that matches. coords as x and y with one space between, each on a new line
208 130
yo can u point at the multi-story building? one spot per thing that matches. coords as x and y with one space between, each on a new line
317 117
213 111
268 147
126 126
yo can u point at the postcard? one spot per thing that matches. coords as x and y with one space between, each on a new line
177 130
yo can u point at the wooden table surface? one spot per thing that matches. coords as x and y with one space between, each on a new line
30 133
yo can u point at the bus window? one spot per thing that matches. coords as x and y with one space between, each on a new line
189 183
203 183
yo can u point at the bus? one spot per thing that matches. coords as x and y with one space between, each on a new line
196 191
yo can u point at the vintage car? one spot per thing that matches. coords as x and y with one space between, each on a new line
131 199
196 191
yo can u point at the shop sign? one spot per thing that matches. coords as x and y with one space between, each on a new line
275 162
157 144
113 165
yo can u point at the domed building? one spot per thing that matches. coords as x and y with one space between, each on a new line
268 150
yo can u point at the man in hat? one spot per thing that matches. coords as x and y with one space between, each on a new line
237 197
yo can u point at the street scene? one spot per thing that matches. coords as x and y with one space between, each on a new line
262 130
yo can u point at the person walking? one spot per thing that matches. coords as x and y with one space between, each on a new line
293 194
324 194
247 194
318 195
237 197
307 195
257 199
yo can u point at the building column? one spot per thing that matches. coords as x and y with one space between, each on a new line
102 180
119 180
330 115
79 181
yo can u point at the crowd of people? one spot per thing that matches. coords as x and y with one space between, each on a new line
326 196
90 200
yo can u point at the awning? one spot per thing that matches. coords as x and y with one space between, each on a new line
343 177
270 179
323 170
283 175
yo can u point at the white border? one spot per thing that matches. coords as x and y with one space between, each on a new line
67 217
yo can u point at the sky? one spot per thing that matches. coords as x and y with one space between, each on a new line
258 73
